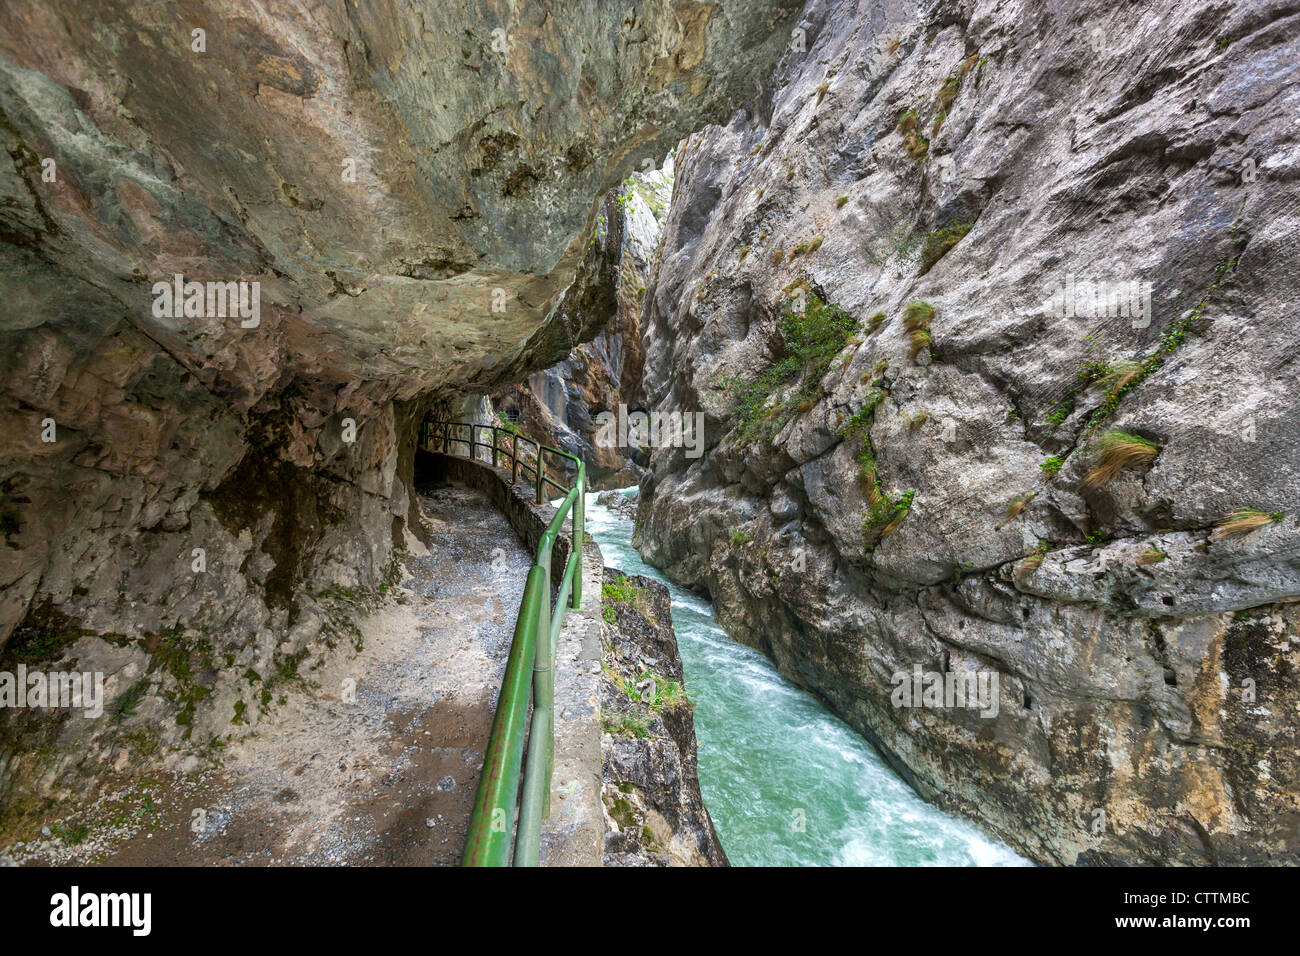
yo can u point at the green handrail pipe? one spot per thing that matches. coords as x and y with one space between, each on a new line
487 843
530 666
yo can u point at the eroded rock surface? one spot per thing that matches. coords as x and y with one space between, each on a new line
574 404
413 187
367 754
654 811
895 511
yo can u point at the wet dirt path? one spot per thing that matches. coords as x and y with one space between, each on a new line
386 775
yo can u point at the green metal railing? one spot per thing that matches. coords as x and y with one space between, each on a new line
532 653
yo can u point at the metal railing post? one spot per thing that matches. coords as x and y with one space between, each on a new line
541 476
514 461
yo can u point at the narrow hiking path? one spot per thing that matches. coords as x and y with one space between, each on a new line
383 776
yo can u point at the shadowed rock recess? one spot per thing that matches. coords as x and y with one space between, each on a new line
413 185
921 491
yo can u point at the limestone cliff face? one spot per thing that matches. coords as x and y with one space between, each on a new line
413 186
927 495
561 406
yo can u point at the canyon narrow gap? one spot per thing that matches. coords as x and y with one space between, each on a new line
826 433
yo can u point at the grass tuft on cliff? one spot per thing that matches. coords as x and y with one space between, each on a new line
1118 451
1028 565
909 123
1119 374
917 146
1017 507
918 315
741 536
937 244
625 725
1242 521
886 514
916 320
948 92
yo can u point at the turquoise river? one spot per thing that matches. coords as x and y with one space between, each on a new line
787 782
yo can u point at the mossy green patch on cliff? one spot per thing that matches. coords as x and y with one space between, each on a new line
662 694
1063 407
740 536
625 725
858 428
884 513
143 742
124 706
810 340
935 245
624 591
298 501
623 814
186 657
43 635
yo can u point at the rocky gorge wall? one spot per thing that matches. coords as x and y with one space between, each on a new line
991 308
654 810
562 406
189 495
